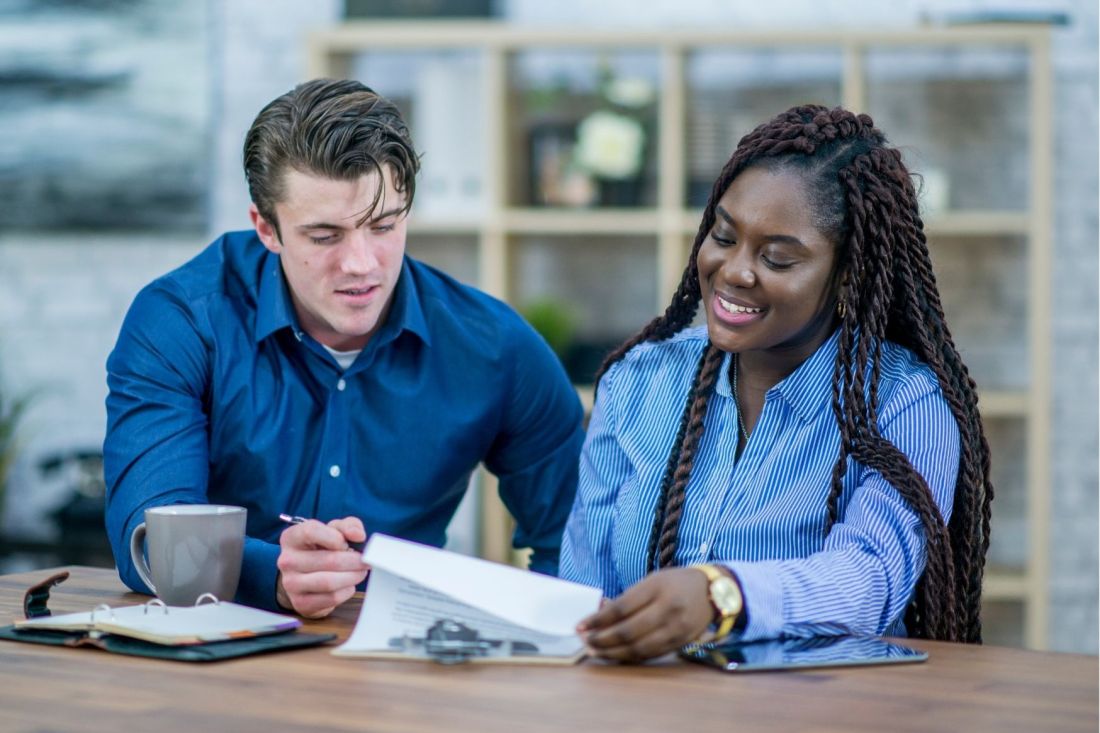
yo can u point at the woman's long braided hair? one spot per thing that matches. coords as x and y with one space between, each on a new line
865 201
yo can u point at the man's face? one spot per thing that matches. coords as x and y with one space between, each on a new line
341 265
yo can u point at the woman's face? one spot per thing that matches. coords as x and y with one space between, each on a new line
766 271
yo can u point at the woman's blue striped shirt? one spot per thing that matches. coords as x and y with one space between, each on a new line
763 516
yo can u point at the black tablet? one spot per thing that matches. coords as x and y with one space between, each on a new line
808 653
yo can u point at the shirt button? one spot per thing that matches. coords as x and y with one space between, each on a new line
703 549
334 471
341 385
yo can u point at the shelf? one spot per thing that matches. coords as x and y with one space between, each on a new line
1005 585
647 220
432 225
559 220
954 223
353 37
1003 403
977 223
616 266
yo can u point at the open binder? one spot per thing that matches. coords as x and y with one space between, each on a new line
207 631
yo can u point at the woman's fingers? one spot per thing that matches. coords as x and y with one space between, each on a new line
659 614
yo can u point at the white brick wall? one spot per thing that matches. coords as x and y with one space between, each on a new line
62 300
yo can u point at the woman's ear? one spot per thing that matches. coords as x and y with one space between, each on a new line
841 290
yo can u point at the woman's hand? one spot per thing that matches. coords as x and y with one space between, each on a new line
657 615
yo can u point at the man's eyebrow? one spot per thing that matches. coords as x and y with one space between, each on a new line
318 225
368 217
384 215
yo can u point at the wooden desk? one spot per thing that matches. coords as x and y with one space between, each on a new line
960 688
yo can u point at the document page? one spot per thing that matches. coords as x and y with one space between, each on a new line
395 607
413 586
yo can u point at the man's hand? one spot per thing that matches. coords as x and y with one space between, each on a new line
317 572
657 615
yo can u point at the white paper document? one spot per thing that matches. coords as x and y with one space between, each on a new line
413 586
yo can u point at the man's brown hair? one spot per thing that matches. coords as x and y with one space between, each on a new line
335 128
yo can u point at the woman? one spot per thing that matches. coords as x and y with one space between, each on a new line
811 459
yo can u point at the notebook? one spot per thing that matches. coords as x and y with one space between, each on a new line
170 625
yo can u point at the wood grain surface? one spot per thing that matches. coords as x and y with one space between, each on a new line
960 688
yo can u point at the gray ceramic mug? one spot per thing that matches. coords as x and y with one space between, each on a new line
193 549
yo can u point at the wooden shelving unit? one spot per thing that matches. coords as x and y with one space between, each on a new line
663 229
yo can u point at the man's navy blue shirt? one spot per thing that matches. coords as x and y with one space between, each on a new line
218 396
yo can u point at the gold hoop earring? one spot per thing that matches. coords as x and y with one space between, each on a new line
840 307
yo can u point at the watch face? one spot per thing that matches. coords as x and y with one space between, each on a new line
726 596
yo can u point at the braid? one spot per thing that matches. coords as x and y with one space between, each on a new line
863 199
898 300
673 501
673 461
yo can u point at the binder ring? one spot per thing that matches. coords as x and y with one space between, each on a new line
155 603
101 607
207 597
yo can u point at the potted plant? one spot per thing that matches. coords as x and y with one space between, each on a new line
12 410
554 321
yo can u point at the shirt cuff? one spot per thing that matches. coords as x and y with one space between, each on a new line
258 575
762 593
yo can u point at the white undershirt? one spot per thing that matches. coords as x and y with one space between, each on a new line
343 358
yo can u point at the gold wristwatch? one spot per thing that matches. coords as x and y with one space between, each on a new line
725 596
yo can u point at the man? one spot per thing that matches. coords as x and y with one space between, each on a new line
309 367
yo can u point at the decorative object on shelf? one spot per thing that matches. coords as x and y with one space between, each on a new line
594 155
611 141
555 179
448 104
555 322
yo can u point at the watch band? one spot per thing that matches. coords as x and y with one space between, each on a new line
728 617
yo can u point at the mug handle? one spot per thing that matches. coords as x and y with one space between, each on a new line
137 554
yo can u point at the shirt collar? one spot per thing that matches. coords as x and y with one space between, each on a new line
275 310
805 389
406 311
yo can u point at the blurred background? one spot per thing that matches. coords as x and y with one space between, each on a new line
567 150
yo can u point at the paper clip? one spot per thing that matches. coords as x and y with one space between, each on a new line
451 642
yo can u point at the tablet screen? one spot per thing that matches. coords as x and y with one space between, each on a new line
817 651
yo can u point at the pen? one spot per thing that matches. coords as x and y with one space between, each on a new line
357 546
